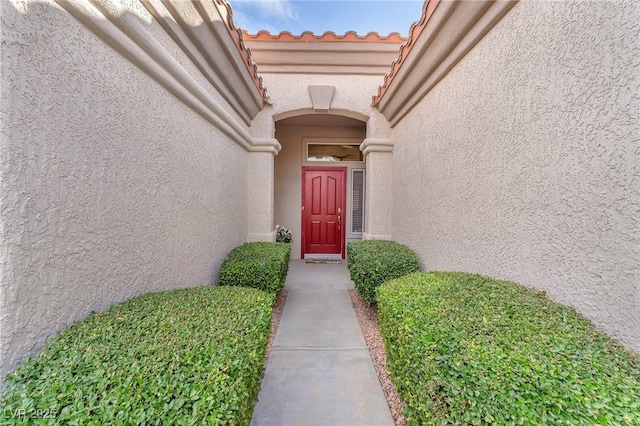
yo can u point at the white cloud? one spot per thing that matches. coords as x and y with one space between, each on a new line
279 9
255 15
282 9
251 25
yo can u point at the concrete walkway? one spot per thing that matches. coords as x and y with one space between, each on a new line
319 371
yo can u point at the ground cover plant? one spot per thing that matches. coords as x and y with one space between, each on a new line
191 356
372 262
467 349
261 265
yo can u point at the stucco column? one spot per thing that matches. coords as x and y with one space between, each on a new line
378 155
260 181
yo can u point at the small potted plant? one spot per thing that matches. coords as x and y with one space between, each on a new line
283 235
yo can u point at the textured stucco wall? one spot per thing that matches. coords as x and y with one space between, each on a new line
109 186
524 162
260 196
288 175
290 92
378 210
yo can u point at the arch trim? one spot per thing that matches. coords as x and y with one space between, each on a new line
309 111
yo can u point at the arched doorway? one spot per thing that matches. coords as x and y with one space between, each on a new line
319 181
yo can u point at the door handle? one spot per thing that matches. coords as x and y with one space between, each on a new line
339 222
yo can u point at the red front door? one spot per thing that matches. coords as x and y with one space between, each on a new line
323 204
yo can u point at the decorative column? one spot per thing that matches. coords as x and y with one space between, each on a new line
261 179
378 153
260 190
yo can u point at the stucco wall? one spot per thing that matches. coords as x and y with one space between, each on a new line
109 187
288 175
290 92
524 162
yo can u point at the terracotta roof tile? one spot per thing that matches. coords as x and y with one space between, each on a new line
327 36
414 33
236 35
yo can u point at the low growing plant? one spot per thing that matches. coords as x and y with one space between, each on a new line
372 262
261 265
283 234
467 349
191 356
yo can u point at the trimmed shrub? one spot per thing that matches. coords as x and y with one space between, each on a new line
261 265
467 349
190 356
372 262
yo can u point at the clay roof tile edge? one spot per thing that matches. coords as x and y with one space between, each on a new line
414 32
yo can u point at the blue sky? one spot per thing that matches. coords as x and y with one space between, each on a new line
296 16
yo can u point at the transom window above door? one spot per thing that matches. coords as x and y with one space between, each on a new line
333 152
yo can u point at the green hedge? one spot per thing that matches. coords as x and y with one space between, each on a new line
372 262
467 349
261 265
192 356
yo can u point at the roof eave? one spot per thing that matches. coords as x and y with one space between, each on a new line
447 31
205 31
325 54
